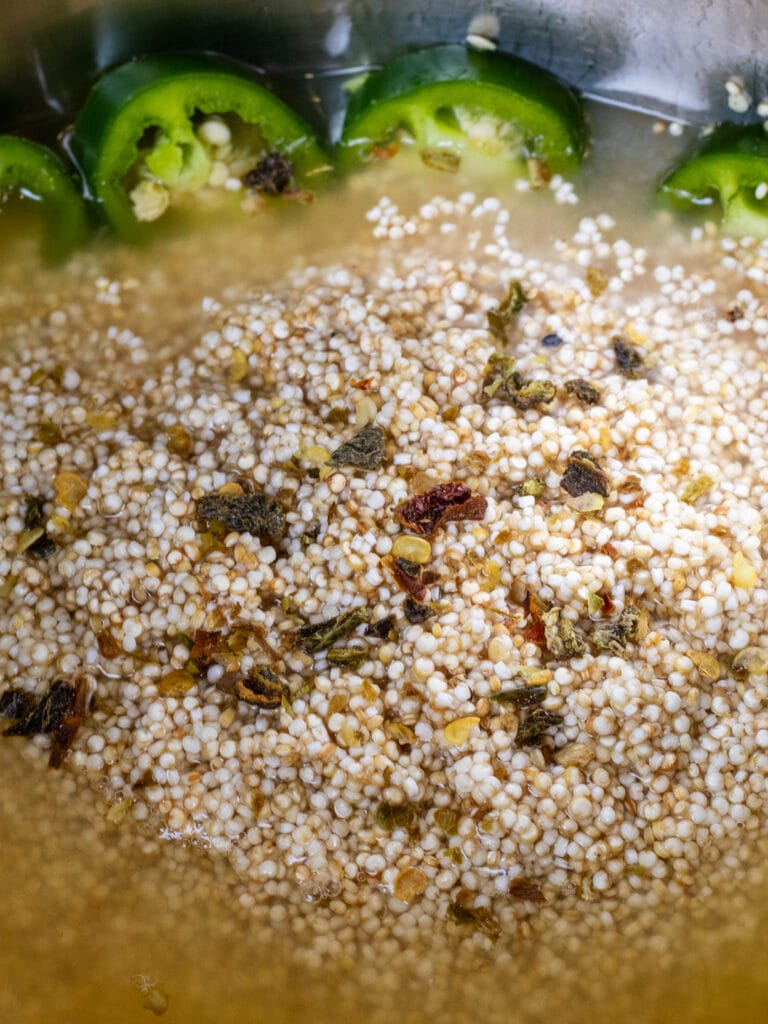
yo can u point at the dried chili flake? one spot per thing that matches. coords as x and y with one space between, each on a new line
415 611
479 918
521 696
320 635
109 646
425 513
560 637
585 392
205 644
537 724
525 889
584 475
629 360
262 688
271 176
58 714
534 628
384 629
409 576
500 318
363 451
16 704
253 513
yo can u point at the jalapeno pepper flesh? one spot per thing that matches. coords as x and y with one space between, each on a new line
142 115
449 99
34 173
730 167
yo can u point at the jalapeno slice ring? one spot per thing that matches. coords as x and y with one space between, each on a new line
730 167
34 172
448 99
158 127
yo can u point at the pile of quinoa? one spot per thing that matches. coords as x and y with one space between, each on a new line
396 793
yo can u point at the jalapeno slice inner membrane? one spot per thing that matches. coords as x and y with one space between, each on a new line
449 100
156 131
728 167
34 174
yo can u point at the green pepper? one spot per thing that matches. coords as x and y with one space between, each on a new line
156 128
33 172
730 167
449 99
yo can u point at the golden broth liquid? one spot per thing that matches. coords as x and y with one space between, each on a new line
103 921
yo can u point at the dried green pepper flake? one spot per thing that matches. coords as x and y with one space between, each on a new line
498 374
560 637
696 489
521 696
525 889
8 586
503 382
533 487
363 451
447 819
394 816
536 725
35 513
384 629
479 918
255 513
262 688
500 318
337 414
616 636
351 657
584 475
595 603
415 611
585 392
49 433
317 636
629 360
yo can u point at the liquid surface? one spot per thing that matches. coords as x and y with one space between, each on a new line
104 922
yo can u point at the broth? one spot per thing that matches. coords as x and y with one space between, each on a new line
108 918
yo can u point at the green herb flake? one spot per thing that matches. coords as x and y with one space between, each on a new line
318 636
537 724
252 513
584 475
503 382
533 487
363 451
582 390
447 819
560 637
696 489
394 816
350 657
7 587
629 626
479 918
383 629
521 696
415 611
499 373
500 318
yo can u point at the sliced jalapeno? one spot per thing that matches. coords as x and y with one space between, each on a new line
34 173
159 128
448 99
728 167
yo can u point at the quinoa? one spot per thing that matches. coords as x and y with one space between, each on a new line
643 757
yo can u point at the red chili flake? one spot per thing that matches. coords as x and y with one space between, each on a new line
425 513
205 645
364 384
610 550
385 151
534 630
409 577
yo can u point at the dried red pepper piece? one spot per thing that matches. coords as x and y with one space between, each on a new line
425 513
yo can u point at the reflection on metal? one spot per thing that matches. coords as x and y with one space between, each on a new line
665 58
